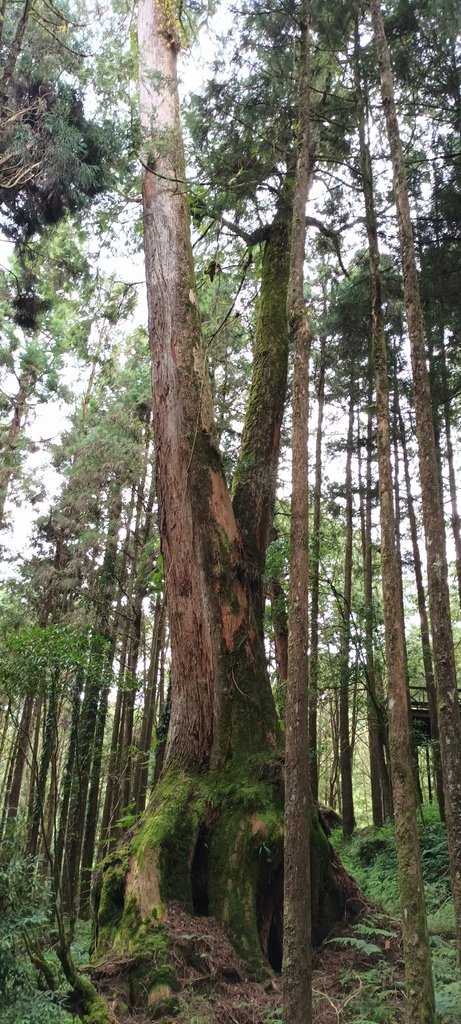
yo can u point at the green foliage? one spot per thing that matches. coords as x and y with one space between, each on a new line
25 921
371 857
373 993
33 656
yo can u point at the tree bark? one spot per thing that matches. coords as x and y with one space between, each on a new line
314 581
218 805
379 778
455 520
439 598
345 751
423 623
22 747
150 703
10 445
297 942
212 625
418 971
416 943
255 479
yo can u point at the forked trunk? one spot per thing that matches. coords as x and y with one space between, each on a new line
212 835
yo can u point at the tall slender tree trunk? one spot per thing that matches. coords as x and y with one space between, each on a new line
297 942
314 569
37 820
10 445
418 970
33 774
279 617
347 798
423 623
455 520
434 530
150 701
22 749
398 545
379 779
66 781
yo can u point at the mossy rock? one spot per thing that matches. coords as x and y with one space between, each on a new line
370 849
162 1003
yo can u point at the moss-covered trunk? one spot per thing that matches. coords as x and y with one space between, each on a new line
214 843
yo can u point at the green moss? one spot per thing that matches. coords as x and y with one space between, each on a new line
328 901
94 1009
146 943
110 902
171 826
246 850
162 1003
269 374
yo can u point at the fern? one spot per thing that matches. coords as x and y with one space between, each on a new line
370 929
359 944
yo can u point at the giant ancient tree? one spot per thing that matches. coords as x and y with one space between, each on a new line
218 807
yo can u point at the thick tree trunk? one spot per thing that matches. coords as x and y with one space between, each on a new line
217 660
255 478
418 972
212 835
434 530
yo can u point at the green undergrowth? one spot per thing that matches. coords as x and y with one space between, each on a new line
370 856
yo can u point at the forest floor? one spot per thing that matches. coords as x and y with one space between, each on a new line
357 976
351 972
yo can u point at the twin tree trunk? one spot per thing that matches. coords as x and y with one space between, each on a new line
213 834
